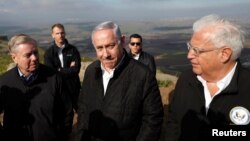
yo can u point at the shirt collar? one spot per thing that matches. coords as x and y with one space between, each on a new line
22 75
136 56
61 47
104 70
224 82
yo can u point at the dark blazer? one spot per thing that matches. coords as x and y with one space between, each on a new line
130 110
40 111
70 74
146 59
187 118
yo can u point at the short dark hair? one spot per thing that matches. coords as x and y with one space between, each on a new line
59 25
135 36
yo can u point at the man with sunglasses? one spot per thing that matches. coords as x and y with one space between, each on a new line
135 46
215 93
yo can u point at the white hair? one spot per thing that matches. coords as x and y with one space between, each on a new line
108 25
18 39
224 33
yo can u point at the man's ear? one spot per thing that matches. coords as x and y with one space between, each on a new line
52 36
13 57
226 54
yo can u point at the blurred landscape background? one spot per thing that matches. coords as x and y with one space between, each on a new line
165 25
165 40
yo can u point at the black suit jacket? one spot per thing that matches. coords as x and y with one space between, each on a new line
187 118
130 110
40 111
147 60
70 74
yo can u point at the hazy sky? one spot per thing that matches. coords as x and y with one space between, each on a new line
48 11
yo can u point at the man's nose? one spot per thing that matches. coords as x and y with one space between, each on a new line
191 54
105 52
34 56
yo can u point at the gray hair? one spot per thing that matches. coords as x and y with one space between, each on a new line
18 39
108 25
225 33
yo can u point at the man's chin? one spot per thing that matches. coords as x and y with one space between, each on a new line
109 65
196 71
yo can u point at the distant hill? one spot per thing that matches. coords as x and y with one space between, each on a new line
5 59
3 37
3 44
164 39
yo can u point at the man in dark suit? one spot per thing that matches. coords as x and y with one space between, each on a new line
213 93
136 52
65 58
120 98
33 97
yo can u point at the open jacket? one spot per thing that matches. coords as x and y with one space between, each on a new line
70 74
131 109
187 118
39 111
147 60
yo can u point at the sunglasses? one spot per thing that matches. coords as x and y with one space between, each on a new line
132 44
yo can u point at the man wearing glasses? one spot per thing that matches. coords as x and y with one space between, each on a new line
135 46
215 93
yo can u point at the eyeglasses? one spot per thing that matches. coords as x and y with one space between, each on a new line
132 44
198 51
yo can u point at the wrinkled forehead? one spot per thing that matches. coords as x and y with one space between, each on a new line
26 46
104 36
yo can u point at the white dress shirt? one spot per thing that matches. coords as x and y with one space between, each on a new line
60 54
221 84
